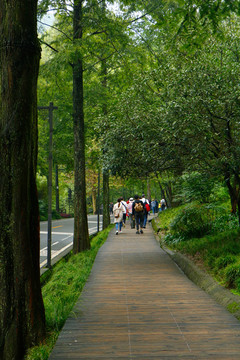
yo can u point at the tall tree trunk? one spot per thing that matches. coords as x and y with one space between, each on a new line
94 200
162 190
169 193
81 237
22 318
148 189
106 214
239 211
233 193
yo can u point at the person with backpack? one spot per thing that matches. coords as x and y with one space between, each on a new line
138 209
118 210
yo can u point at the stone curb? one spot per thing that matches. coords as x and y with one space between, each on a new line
199 277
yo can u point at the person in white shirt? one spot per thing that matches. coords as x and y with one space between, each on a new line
163 204
118 209
125 210
144 200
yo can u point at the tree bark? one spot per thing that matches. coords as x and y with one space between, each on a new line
233 192
106 214
148 189
162 190
94 200
169 193
22 318
81 236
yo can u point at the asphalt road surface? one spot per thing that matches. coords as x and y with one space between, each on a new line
62 236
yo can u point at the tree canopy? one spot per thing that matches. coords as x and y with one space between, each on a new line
172 89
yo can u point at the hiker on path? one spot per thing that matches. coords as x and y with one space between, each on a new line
138 213
125 210
153 206
118 210
145 215
163 204
129 209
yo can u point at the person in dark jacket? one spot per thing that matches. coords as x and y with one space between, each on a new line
138 213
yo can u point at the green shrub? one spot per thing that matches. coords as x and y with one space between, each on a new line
233 307
193 221
173 239
165 217
210 261
238 285
232 274
224 221
55 214
224 261
196 186
43 210
220 194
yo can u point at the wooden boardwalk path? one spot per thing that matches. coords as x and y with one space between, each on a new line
137 304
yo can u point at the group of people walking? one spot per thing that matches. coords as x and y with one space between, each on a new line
158 206
136 208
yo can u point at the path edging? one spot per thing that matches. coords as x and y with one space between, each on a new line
205 281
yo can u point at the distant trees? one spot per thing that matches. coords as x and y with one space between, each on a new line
182 113
168 96
161 107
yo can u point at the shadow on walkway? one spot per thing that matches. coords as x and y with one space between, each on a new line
137 304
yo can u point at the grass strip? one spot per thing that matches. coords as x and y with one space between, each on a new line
61 292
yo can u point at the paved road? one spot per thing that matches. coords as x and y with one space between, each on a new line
137 304
62 236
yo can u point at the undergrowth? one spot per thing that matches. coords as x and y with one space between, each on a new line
209 235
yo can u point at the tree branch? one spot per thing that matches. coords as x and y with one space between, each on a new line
53 27
43 42
97 62
144 15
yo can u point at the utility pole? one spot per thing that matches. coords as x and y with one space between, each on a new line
57 188
50 109
98 202
69 200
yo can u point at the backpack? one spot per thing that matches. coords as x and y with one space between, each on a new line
138 207
147 207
